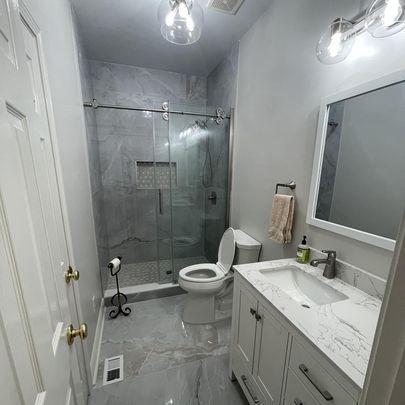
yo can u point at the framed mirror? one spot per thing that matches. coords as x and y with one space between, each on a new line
358 178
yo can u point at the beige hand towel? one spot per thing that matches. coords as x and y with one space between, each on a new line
282 215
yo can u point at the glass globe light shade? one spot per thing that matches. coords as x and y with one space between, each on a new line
336 43
180 21
385 17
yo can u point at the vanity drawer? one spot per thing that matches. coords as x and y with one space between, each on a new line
246 380
296 393
319 382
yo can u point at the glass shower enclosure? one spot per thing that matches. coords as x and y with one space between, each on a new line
162 195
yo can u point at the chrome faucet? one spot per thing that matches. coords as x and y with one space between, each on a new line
330 262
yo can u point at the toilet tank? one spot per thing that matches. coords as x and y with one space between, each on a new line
247 248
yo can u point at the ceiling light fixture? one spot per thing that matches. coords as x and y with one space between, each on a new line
382 19
180 21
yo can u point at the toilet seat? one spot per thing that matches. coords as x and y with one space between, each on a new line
209 273
202 273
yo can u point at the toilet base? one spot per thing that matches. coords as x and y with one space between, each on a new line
199 309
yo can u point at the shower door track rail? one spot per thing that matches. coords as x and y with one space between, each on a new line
165 108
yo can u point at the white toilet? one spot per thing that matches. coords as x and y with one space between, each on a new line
203 281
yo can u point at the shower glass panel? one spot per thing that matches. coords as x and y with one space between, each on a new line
159 190
199 146
133 145
165 180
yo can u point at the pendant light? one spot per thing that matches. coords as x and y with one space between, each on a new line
180 21
385 18
336 43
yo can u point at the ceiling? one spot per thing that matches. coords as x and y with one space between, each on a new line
127 32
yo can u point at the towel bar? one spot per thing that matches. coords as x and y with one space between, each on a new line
291 185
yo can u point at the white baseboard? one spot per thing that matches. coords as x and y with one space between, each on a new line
95 354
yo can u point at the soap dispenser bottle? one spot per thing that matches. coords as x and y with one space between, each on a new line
303 251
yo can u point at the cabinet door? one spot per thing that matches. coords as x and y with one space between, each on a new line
245 325
270 355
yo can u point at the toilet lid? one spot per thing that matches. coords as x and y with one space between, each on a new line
226 250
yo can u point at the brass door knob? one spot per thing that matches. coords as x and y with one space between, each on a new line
71 274
72 333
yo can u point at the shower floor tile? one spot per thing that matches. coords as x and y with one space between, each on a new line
165 360
148 272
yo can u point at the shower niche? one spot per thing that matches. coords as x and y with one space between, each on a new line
160 175
154 181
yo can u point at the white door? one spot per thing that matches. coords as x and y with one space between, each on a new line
44 151
38 366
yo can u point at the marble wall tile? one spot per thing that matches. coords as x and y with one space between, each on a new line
359 278
122 84
126 137
221 82
132 226
215 175
221 91
330 161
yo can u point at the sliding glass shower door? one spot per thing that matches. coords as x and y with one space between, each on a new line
199 150
159 190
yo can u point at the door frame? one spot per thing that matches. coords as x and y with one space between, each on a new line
385 377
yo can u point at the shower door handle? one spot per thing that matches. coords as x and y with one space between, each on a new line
160 202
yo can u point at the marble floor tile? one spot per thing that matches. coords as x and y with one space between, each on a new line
201 382
167 362
154 337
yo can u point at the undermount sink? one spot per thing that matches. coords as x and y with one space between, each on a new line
303 288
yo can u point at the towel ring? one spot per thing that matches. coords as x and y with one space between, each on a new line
291 185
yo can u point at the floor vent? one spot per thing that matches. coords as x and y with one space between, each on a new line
226 6
113 370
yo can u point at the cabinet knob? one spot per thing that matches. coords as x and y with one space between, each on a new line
253 311
258 317
297 401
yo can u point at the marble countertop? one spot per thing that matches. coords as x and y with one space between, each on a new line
343 331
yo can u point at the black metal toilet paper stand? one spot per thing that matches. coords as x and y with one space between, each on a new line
119 299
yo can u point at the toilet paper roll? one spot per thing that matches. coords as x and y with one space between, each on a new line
114 264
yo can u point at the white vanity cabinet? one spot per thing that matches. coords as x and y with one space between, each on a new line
274 363
259 348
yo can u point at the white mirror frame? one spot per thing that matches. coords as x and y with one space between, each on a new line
362 236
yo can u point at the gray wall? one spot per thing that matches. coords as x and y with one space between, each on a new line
280 86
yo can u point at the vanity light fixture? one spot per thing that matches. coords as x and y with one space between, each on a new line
336 43
180 21
383 18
